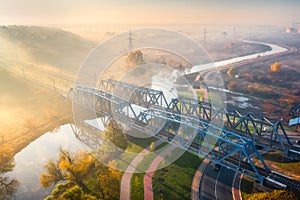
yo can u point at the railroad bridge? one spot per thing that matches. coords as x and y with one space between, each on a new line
186 123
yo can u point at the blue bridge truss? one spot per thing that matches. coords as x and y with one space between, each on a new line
186 123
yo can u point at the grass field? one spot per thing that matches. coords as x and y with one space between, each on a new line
28 111
277 162
171 182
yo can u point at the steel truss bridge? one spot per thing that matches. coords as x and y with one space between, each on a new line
191 125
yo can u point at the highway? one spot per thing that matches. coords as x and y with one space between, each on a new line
216 185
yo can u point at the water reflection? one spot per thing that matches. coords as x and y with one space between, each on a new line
30 161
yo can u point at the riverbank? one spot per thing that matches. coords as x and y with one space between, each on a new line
27 111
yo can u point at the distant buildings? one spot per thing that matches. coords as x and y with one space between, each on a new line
292 30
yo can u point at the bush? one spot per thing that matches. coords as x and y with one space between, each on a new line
275 67
276 194
232 85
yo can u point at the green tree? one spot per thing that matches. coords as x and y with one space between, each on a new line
75 193
115 135
72 193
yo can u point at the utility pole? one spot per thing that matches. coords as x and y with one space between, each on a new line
23 73
204 35
130 39
54 84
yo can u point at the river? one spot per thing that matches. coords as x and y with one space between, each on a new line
30 161
274 49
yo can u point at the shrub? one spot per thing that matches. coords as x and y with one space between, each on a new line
275 67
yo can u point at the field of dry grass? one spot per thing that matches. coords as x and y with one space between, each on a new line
27 111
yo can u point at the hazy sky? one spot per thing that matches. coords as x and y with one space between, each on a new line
275 12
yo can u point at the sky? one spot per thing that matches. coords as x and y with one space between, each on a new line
33 12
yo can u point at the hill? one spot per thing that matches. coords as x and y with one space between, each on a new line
43 46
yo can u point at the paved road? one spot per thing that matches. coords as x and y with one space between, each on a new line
126 178
216 185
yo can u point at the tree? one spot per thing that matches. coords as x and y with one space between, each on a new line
135 58
7 185
76 177
152 146
115 135
275 67
232 72
76 193
251 89
71 193
232 86
69 168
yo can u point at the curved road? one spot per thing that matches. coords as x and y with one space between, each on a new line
220 185
216 185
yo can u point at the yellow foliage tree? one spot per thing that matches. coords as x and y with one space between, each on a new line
152 146
232 71
7 185
76 174
275 67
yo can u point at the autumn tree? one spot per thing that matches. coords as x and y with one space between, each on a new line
251 89
7 185
232 72
69 168
135 58
232 86
269 108
152 146
74 175
275 67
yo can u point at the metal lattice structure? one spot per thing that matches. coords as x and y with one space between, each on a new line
263 131
166 121
185 123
